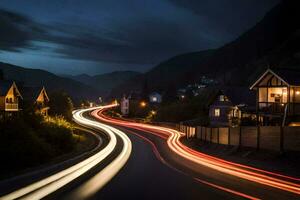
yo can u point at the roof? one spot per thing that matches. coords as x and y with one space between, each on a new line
289 76
31 93
4 87
239 95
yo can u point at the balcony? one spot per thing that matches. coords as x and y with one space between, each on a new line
11 107
271 107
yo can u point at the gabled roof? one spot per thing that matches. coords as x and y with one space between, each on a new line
6 85
32 93
288 76
238 95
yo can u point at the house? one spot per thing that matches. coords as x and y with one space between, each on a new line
155 98
38 98
277 96
231 105
9 97
125 105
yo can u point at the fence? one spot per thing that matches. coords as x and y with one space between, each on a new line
273 138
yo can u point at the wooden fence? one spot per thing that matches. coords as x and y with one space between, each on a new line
273 138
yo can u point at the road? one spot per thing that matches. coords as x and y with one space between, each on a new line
207 176
140 161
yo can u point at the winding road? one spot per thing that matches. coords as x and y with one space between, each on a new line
141 161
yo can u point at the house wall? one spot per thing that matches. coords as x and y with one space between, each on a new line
125 106
155 98
10 95
41 98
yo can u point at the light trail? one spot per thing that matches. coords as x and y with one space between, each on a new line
54 182
260 176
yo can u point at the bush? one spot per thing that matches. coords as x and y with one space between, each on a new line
30 141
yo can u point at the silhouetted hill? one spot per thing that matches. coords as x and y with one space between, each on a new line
106 82
273 42
37 77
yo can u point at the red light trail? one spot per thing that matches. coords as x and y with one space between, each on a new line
282 182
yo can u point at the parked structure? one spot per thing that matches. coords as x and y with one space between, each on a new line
230 106
38 98
155 97
278 96
9 97
125 105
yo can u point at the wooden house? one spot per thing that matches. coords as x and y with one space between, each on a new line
230 106
124 104
9 97
278 96
37 98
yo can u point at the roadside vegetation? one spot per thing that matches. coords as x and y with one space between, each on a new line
30 140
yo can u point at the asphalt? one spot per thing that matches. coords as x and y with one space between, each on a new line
146 177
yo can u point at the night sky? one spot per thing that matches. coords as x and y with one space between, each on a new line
99 36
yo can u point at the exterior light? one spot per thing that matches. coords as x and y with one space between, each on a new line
153 112
182 96
143 104
297 92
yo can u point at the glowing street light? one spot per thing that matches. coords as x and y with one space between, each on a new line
143 104
153 112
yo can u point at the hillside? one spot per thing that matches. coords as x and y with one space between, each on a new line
37 77
104 83
274 42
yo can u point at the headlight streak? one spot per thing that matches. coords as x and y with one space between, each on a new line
242 171
54 182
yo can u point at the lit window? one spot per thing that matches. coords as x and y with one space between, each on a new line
222 98
217 112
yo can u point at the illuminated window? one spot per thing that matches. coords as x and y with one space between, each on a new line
222 98
217 112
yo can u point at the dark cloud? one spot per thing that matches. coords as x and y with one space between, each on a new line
117 33
16 31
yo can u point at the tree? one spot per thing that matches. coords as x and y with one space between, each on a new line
61 104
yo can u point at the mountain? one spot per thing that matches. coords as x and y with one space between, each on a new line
273 42
104 83
37 77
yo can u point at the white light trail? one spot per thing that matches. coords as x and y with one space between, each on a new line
54 182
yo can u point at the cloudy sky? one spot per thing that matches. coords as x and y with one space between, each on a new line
99 36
